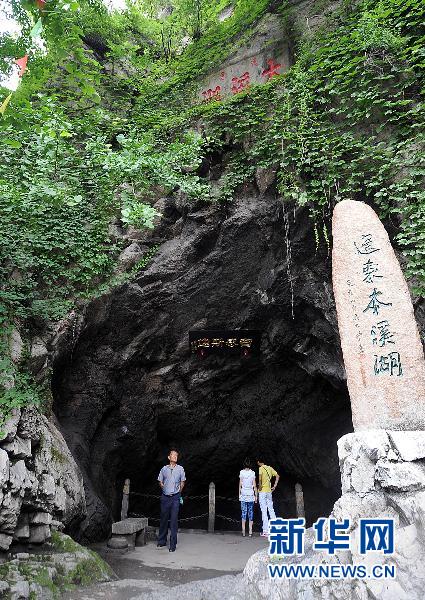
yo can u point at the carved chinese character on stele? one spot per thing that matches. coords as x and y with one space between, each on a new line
380 342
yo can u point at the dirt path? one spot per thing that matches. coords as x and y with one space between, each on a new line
151 572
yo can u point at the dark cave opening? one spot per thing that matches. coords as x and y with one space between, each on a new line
214 456
318 501
127 387
233 416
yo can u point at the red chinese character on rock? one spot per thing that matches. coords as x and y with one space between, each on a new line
216 95
240 83
223 75
272 70
254 62
210 94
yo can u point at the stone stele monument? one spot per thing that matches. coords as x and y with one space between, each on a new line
380 342
383 462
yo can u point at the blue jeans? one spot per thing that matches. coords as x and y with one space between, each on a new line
169 512
247 508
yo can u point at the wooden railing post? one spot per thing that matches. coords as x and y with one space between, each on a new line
211 508
125 498
299 500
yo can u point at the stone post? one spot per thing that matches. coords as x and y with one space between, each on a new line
125 499
299 501
211 508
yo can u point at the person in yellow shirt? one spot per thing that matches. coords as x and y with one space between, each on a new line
265 490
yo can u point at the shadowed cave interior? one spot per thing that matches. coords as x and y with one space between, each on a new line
128 388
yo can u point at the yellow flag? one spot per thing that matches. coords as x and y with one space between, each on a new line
5 103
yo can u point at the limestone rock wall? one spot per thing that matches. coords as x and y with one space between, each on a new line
383 476
265 55
41 486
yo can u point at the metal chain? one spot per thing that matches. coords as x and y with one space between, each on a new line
236 500
154 519
228 519
144 495
155 496
235 520
200 497
195 497
224 498
197 517
132 514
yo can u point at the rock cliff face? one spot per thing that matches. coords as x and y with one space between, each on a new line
383 477
41 486
130 387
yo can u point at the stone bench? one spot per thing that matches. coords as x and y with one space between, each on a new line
129 533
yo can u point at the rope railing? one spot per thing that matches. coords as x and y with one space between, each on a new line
212 498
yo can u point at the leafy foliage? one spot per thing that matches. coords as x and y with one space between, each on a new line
345 122
18 387
103 125
59 189
67 172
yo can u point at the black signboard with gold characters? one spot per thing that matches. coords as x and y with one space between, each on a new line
243 342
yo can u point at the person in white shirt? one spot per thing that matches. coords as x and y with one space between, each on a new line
247 495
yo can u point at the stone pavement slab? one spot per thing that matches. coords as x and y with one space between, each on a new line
203 566
223 552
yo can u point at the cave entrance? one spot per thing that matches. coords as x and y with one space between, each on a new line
194 513
222 456
126 388
216 413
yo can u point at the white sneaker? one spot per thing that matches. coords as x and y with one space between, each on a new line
264 534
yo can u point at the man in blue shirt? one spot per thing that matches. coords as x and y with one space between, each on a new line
171 480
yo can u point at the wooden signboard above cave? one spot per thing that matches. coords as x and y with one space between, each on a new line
243 342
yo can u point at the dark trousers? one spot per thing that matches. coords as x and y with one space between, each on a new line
169 512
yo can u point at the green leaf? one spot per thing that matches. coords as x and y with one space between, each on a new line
37 29
13 143
74 201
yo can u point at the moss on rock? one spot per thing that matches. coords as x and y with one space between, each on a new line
64 543
57 569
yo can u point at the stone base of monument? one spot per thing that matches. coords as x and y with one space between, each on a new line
128 533
383 477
